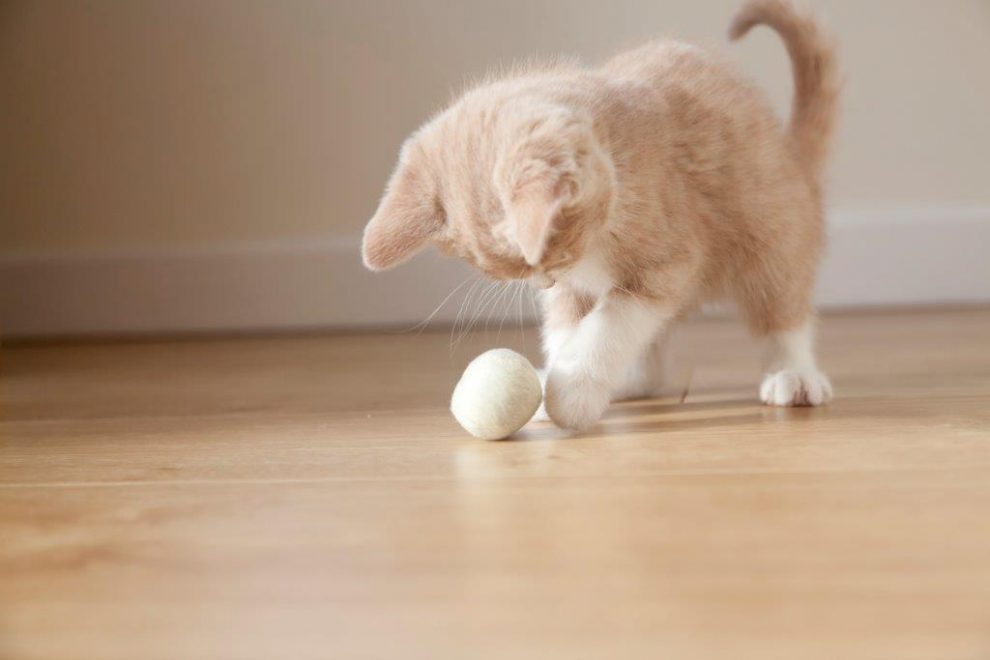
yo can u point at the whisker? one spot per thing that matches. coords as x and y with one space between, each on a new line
532 301
485 296
498 303
422 324
537 313
459 319
522 284
490 295
504 310
520 290
498 292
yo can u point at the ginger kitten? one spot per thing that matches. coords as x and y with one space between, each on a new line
632 193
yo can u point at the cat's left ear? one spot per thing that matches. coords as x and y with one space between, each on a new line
407 218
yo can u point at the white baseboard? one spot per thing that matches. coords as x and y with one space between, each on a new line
913 257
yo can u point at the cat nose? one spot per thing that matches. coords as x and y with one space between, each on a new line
541 280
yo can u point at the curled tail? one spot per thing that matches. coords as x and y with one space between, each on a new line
816 73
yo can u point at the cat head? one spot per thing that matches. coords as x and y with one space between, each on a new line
504 179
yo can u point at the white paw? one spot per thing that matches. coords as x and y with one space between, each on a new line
796 388
573 400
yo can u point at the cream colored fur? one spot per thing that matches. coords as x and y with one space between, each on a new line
635 191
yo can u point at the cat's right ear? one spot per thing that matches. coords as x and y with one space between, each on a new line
407 218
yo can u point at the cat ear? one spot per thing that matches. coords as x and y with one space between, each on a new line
556 173
532 210
407 218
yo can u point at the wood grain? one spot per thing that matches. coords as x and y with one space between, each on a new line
311 497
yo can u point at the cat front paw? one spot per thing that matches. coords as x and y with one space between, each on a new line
796 388
574 400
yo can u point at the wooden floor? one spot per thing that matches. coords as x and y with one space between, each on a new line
312 498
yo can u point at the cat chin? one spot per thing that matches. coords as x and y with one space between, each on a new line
590 274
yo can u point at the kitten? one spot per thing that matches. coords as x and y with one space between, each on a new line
632 193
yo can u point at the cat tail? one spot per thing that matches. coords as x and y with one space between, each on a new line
817 81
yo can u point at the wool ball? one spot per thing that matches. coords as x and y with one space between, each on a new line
497 394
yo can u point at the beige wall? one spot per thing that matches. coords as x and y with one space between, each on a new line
139 123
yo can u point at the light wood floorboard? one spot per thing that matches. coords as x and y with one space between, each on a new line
311 497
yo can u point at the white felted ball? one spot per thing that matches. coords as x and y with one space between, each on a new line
498 393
